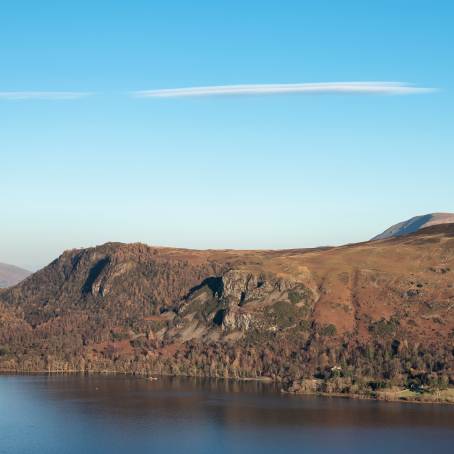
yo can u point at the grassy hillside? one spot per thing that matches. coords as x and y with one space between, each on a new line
351 319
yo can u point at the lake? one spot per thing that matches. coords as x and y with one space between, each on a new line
110 414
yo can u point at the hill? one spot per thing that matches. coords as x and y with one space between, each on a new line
346 319
414 224
11 275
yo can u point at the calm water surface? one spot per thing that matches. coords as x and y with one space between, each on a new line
77 414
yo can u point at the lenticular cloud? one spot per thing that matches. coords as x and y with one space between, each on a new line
386 88
42 95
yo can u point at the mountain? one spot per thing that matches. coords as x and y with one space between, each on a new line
414 224
11 275
351 319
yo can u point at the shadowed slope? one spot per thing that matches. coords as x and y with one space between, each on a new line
380 309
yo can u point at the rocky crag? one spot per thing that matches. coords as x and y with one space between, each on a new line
350 319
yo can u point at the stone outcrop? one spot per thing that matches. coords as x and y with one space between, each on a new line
381 307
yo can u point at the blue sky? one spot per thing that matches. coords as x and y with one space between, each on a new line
291 170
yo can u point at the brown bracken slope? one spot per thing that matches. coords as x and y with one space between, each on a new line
357 317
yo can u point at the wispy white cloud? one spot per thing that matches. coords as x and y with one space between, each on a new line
385 88
42 95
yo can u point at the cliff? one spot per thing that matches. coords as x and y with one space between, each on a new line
354 316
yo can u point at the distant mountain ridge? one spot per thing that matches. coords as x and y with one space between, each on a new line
11 275
348 319
414 224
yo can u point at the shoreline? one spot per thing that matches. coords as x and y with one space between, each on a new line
390 396
379 398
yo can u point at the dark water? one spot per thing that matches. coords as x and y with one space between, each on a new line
74 414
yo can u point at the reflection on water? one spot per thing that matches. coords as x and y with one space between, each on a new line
116 414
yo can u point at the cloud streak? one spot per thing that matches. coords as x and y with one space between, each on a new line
42 95
370 88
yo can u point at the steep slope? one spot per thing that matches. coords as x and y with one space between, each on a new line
414 224
355 316
11 275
